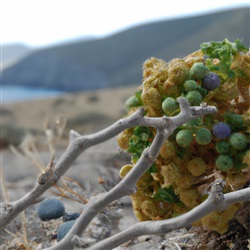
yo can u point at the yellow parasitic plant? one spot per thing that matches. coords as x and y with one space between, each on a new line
214 146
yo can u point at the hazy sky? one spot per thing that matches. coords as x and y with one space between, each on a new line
40 23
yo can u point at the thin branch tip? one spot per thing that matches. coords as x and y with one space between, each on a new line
140 112
184 104
73 135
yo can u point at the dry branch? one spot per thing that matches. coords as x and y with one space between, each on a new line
8 211
215 201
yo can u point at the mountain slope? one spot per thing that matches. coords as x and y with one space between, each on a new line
10 53
117 60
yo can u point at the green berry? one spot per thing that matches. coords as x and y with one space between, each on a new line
190 85
222 147
184 138
238 141
239 163
203 136
224 163
196 122
169 105
132 102
202 90
234 120
194 97
198 70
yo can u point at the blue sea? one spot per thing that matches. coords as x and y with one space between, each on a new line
21 94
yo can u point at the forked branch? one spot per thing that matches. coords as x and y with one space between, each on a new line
8 211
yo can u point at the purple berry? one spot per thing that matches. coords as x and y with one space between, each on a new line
221 130
211 81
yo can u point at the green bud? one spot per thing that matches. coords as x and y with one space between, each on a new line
239 163
198 70
235 121
202 90
184 138
169 105
203 136
238 141
224 163
190 85
222 147
194 98
196 122
132 102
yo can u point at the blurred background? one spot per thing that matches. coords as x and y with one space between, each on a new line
82 59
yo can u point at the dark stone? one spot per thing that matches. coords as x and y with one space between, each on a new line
51 208
70 216
64 228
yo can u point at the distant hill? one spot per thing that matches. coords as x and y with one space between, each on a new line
10 53
117 60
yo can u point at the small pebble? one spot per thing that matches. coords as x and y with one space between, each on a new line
51 208
70 216
64 228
